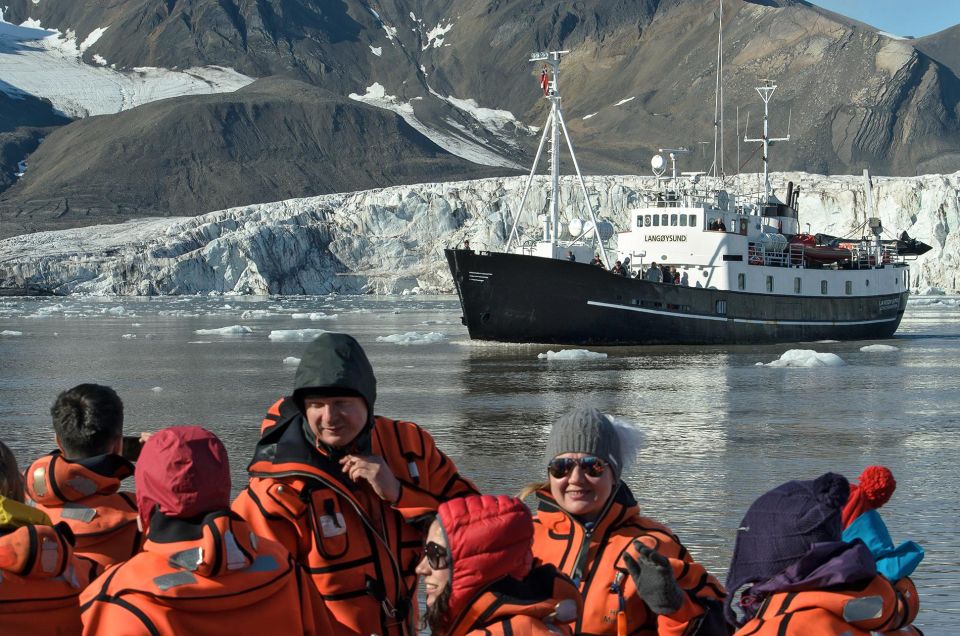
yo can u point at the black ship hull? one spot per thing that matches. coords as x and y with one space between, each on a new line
518 298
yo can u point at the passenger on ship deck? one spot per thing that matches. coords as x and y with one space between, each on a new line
596 261
721 226
202 569
466 246
479 575
618 269
344 489
685 279
654 274
793 575
571 256
79 483
40 577
636 576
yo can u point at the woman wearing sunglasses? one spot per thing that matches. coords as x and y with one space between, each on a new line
478 573
635 576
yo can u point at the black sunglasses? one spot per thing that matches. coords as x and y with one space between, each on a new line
438 557
591 466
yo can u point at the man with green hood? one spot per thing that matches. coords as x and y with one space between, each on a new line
344 490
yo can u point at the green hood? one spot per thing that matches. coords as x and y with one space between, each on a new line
335 364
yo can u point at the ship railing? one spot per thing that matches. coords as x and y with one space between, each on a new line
758 254
865 256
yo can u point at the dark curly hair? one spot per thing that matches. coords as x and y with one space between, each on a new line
88 419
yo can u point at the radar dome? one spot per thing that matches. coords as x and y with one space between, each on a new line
657 162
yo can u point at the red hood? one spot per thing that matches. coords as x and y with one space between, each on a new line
489 537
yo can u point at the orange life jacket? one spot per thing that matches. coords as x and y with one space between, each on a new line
40 578
360 551
207 576
868 608
593 558
84 495
521 608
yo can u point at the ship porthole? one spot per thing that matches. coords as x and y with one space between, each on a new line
485 317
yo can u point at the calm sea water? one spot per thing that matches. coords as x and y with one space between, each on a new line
719 430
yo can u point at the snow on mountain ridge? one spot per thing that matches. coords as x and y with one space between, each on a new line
48 64
391 239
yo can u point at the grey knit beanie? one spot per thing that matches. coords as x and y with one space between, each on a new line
585 430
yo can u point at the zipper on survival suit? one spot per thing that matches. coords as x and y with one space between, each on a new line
372 587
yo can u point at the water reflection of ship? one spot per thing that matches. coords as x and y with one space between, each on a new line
753 275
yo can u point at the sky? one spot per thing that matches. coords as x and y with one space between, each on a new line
899 17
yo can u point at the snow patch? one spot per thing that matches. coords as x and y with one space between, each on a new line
413 338
590 115
376 50
572 354
806 358
624 101
879 348
435 36
49 64
295 334
232 330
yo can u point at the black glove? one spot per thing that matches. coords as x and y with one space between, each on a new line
653 576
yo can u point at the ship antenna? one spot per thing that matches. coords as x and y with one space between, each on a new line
766 92
555 125
718 104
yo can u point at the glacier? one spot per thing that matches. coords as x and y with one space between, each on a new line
391 240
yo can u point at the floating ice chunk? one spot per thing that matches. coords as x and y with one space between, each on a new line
129 336
933 291
255 313
157 389
413 338
318 315
879 348
807 358
572 354
291 360
295 334
232 330
116 311
10 332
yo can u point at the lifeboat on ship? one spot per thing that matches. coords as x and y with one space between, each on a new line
805 249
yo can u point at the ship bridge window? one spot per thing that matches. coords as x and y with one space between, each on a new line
663 219
741 281
656 220
639 220
692 222
796 286
683 220
722 307
823 287
673 220
848 287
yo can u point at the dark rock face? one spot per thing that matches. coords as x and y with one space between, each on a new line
640 74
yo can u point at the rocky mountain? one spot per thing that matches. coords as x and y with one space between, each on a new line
639 75
943 46
391 240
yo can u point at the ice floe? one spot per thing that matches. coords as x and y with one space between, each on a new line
413 338
572 354
10 332
291 360
295 334
157 389
879 348
806 358
232 330
129 336
319 315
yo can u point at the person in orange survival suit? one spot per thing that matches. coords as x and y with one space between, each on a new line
792 575
79 483
40 577
343 489
479 577
202 569
635 575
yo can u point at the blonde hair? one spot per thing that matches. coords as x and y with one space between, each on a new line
11 482
531 488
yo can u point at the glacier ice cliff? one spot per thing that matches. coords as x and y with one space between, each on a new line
390 240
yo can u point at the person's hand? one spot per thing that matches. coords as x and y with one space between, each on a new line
653 576
375 472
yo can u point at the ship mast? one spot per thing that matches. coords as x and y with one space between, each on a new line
555 125
766 92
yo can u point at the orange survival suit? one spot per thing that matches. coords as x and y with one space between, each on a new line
40 578
84 495
593 557
495 590
204 576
